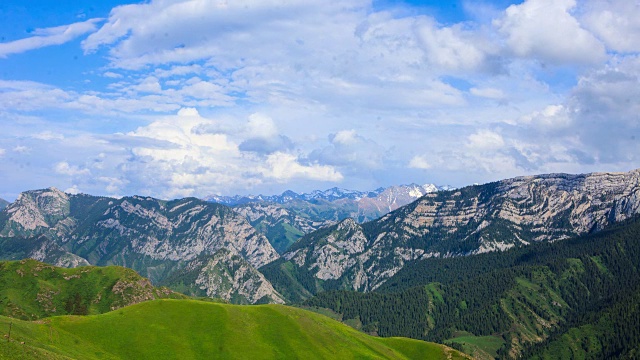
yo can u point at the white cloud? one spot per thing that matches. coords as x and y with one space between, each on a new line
351 152
454 48
48 36
283 86
552 118
616 22
485 140
261 126
2 151
65 168
113 185
111 74
21 149
345 137
73 190
546 30
48 135
489 93
419 162
283 167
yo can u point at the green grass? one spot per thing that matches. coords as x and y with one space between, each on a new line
191 329
478 346
32 290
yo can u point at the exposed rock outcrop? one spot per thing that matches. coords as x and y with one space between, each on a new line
467 221
151 236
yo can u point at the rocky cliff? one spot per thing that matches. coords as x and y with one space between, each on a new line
284 219
467 221
151 236
227 276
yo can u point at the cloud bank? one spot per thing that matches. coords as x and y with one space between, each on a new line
196 97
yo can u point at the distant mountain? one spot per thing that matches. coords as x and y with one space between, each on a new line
472 220
288 196
153 237
3 203
330 195
283 219
32 290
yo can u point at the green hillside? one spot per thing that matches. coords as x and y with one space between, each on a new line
190 329
579 295
32 290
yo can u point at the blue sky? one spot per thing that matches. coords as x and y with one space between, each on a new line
194 97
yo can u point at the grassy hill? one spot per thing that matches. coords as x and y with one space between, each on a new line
191 329
30 289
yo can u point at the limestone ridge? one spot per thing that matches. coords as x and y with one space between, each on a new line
151 236
226 276
285 218
467 221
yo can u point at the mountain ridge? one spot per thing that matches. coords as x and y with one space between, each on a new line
284 219
466 221
154 237
331 194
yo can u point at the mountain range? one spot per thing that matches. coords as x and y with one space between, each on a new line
467 221
283 219
154 237
3 203
330 195
211 250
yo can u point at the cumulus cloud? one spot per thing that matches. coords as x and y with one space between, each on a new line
48 36
283 167
73 190
616 22
189 153
48 135
65 168
419 162
21 149
546 30
261 126
489 93
206 96
485 140
351 152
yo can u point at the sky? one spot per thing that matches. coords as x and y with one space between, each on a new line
176 98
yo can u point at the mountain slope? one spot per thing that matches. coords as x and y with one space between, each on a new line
153 237
284 219
31 290
574 294
226 276
187 329
472 220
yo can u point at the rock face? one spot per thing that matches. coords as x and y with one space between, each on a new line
151 236
285 218
226 276
471 220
